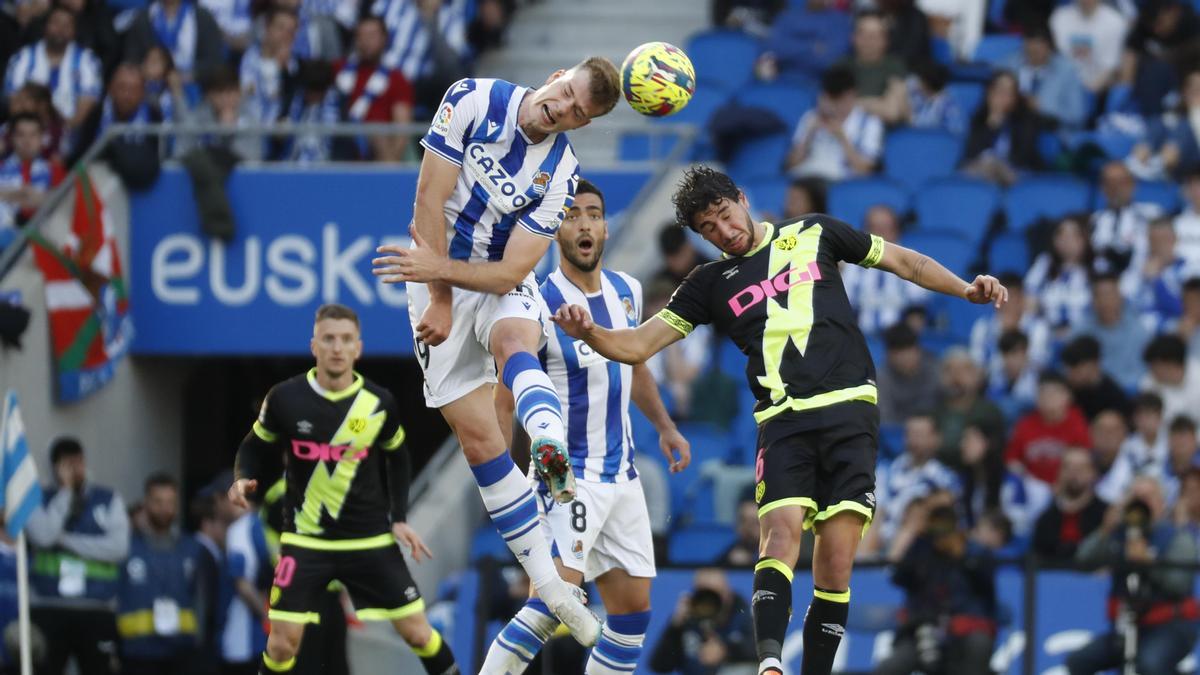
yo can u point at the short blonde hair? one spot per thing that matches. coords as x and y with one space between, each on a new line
605 87
335 311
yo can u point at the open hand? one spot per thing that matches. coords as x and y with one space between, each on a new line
420 263
574 320
409 539
986 289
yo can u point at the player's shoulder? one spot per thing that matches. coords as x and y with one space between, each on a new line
623 281
384 394
296 385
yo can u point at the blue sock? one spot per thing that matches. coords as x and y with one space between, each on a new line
620 644
538 406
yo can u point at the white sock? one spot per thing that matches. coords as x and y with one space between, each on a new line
520 640
537 403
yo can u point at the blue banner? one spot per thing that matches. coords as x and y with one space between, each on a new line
1070 612
303 238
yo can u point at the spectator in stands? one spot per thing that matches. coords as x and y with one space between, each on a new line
744 551
949 585
93 28
678 252
1134 536
838 138
1116 326
486 30
710 629
427 42
1188 326
1019 314
1048 81
156 603
269 70
1163 27
908 31
1058 278
1074 514
1002 139
1091 34
878 76
1181 457
1015 390
1119 229
803 196
211 527
235 20
1144 452
1158 291
879 297
80 537
928 104
223 105
1109 430
71 72
1187 223
25 176
988 486
805 40
908 379
185 29
372 91
133 156
1172 376
248 565
677 368
955 25
34 99
1181 148
164 85
1092 389
915 480
1042 436
752 16
321 27
962 404
315 103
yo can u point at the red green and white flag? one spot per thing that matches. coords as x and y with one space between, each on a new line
86 297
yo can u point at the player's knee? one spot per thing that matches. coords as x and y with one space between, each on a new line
414 630
283 643
780 536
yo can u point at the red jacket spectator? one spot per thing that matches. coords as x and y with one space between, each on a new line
1042 436
371 91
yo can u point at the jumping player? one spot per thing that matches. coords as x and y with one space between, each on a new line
778 294
347 475
499 175
605 533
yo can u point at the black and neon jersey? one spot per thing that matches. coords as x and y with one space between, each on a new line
784 306
342 452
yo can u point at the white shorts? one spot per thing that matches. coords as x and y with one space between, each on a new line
606 527
464 361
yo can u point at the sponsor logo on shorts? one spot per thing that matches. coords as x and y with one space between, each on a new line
759 491
411 594
357 424
304 427
870 497
577 549
761 596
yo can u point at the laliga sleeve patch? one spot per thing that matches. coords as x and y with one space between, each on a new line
441 123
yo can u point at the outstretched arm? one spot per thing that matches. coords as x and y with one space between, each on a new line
627 345
670 441
932 275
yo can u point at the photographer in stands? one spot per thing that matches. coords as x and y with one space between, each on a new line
1151 606
948 622
711 628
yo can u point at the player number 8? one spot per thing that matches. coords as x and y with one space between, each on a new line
578 516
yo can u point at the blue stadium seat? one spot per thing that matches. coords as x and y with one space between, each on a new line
997 48
1008 252
708 442
947 247
698 111
639 146
487 543
767 195
891 440
914 156
968 95
959 204
955 318
1046 196
722 56
700 544
761 158
850 199
787 101
806 42
731 360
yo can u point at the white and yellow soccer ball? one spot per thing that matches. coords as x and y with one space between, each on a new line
658 79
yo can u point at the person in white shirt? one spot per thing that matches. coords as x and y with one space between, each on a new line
879 297
1018 314
1145 450
837 139
1092 34
72 73
268 69
1172 376
1119 230
1187 223
1058 278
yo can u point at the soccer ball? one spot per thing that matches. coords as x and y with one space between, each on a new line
658 79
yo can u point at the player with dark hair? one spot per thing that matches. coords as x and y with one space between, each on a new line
346 499
777 293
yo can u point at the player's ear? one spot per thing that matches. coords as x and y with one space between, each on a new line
743 200
555 75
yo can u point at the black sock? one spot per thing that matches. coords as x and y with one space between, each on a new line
772 607
436 656
823 629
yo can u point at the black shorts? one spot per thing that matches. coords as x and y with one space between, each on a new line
372 570
823 460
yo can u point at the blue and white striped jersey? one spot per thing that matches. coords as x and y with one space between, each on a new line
594 391
77 76
505 179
